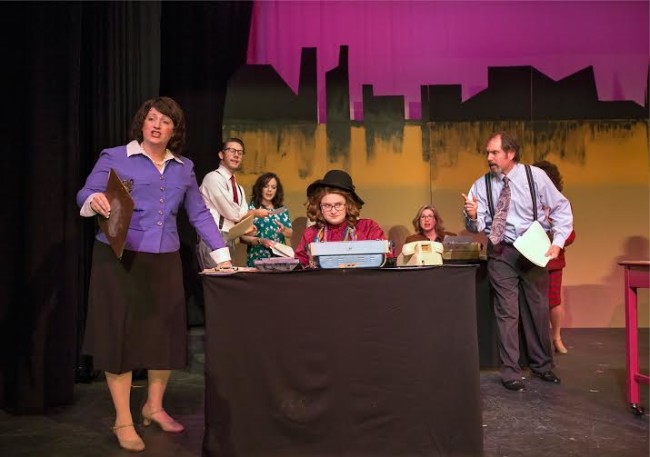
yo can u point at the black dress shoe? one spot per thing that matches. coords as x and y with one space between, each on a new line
547 376
514 385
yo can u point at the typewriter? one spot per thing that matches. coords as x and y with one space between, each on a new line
350 254
461 248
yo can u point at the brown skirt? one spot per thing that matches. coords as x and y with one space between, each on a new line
136 311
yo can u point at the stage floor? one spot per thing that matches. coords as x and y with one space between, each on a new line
586 415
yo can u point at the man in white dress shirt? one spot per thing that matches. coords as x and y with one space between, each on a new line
225 199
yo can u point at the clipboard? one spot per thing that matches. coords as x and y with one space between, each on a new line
240 228
116 226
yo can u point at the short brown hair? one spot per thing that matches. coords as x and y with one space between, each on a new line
171 109
509 143
232 139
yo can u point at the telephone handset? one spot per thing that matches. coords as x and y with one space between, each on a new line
422 253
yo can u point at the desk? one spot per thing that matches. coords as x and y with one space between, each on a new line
357 362
637 274
488 351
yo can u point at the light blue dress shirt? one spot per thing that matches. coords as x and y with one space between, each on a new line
520 212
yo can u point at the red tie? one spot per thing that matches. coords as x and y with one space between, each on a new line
235 196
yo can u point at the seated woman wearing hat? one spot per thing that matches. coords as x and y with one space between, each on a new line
334 207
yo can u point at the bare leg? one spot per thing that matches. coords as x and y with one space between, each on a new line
120 387
557 315
153 409
158 380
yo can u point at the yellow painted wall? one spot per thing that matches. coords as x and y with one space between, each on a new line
605 165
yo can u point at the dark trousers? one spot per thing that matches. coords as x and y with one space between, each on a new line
510 273
203 253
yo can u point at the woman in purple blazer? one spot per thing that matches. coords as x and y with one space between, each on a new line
136 305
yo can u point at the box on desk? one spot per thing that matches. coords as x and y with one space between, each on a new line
350 254
461 248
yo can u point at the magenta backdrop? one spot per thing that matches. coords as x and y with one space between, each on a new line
399 45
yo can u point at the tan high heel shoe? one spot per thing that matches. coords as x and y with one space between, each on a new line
166 426
129 445
559 346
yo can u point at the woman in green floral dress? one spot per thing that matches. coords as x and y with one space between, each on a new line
276 227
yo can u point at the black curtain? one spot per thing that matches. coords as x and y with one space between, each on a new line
202 45
39 250
74 75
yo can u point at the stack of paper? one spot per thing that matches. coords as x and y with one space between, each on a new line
282 250
534 244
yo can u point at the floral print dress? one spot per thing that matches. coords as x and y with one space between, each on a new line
267 228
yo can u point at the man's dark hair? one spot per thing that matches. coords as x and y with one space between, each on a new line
509 143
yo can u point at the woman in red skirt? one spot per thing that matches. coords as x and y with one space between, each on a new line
555 267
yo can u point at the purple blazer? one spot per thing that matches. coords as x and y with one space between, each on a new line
157 200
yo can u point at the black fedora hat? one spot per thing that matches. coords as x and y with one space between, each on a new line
337 179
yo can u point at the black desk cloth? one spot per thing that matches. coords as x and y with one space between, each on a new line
356 362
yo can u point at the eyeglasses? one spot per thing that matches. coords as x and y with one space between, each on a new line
427 216
235 152
336 207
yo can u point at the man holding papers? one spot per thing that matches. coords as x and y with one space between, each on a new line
504 204
225 199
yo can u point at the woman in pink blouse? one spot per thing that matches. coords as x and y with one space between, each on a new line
334 207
